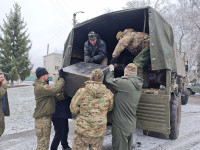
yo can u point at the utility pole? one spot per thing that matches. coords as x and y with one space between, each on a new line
74 17
47 49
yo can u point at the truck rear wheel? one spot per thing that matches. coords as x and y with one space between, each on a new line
184 97
175 116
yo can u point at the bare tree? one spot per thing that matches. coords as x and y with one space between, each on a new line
184 16
162 6
137 3
185 20
107 10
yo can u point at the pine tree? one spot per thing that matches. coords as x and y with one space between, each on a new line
14 47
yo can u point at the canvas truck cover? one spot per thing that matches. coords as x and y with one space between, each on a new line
162 46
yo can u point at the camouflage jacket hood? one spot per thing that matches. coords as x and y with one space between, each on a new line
95 89
136 81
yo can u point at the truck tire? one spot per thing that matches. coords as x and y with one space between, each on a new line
184 97
175 116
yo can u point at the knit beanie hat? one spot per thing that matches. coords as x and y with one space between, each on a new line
40 72
130 69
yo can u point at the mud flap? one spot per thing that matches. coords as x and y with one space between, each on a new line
175 116
184 97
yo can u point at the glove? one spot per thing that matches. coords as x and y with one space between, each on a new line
91 60
113 60
61 74
111 68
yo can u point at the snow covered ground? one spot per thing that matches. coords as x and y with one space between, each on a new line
19 133
22 106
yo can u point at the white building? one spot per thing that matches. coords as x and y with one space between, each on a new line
52 62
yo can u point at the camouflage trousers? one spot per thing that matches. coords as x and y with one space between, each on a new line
142 59
2 124
43 131
82 143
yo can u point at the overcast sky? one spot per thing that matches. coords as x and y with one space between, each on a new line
50 21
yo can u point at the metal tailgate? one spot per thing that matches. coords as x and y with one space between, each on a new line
153 113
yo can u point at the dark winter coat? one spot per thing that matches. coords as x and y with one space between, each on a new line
62 109
5 105
97 52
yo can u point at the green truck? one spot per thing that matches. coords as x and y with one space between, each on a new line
193 87
159 109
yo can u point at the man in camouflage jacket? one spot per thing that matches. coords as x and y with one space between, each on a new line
3 89
127 90
137 43
91 105
45 105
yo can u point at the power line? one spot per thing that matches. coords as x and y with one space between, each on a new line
63 4
61 13
62 10
57 34
52 38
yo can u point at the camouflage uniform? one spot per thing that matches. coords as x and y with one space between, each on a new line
91 105
3 89
137 43
81 142
45 106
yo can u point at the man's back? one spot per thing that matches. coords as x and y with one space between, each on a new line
127 95
94 101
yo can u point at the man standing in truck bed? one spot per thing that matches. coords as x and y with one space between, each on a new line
137 43
95 50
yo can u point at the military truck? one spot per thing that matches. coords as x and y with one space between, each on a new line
159 109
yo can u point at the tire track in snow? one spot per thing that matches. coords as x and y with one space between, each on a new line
188 142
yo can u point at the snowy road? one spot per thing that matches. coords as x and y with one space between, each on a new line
19 133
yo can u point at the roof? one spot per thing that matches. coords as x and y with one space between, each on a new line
54 53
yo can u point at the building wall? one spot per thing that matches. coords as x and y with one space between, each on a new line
52 62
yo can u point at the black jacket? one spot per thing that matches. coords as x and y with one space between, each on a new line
62 109
97 52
